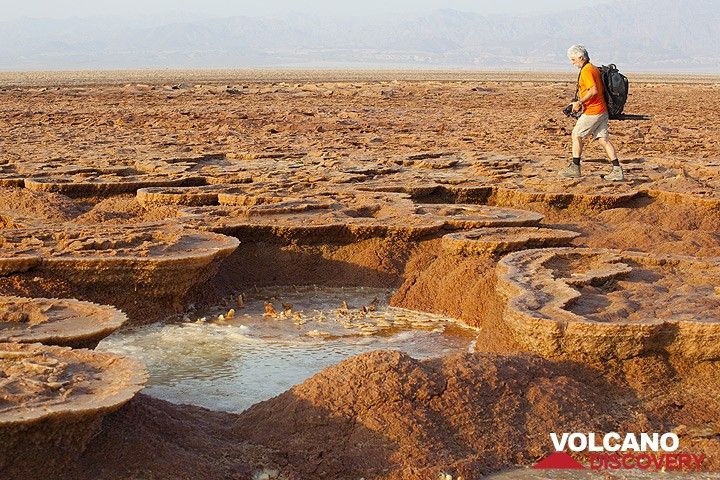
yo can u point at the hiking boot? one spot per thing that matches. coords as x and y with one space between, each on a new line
615 175
571 171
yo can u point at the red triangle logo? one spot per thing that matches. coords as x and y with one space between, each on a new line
559 460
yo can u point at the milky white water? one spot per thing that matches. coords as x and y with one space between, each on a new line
230 364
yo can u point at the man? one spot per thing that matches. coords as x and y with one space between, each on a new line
593 122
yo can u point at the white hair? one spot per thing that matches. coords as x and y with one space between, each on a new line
578 51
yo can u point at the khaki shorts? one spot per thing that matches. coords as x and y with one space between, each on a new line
595 125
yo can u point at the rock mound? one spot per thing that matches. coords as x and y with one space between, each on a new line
116 263
610 304
55 321
386 415
51 402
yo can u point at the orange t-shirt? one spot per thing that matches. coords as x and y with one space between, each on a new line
589 76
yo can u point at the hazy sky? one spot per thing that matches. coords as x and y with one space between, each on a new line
11 9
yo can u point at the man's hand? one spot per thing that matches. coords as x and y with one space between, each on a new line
576 107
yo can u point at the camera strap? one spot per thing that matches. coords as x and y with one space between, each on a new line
577 86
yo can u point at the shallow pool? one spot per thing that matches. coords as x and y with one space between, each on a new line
231 363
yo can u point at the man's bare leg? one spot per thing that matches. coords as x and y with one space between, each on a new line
577 146
609 148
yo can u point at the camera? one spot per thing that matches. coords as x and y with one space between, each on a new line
569 113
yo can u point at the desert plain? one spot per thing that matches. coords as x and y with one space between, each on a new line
130 198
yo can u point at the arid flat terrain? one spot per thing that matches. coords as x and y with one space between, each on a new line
271 75
130 121
593 303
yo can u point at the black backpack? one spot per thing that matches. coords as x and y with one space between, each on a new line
616 89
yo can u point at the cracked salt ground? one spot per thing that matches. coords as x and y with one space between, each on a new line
231 363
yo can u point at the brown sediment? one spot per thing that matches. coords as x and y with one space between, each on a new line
12 220
460 286
11 180
317 192
134 441
52 401
57 321
385 415
25 208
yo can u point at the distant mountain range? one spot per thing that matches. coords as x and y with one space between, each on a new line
639 35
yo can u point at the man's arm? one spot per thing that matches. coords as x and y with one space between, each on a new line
591 92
